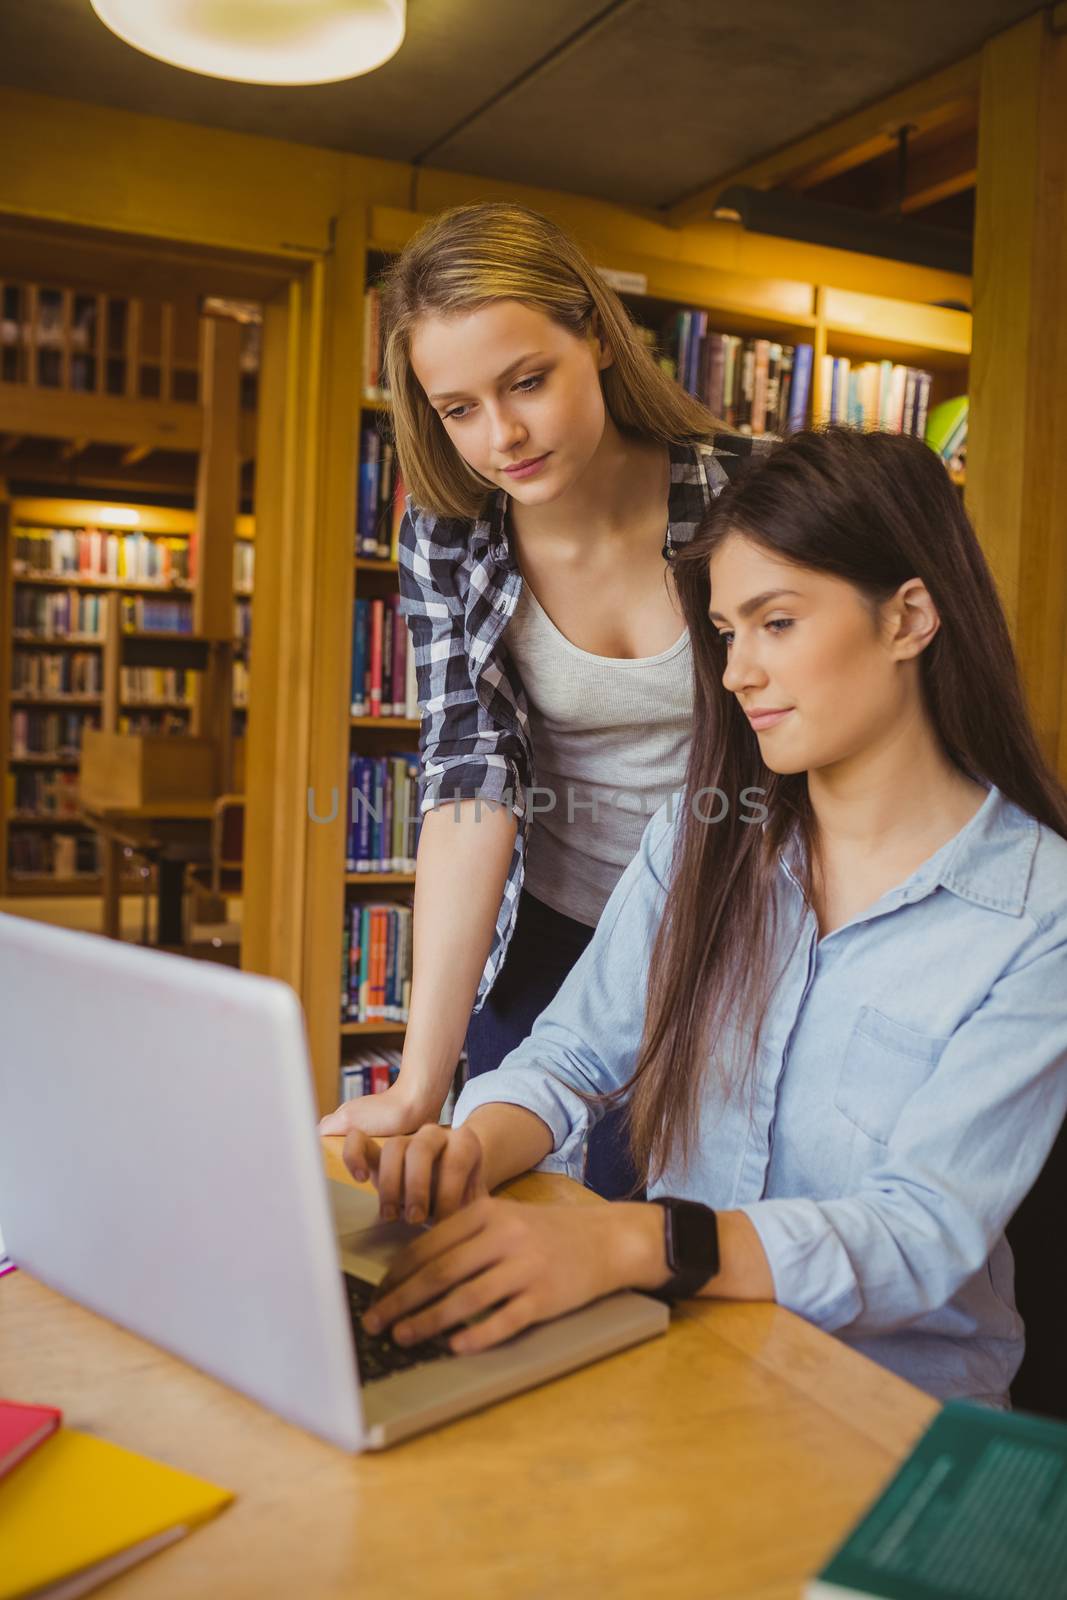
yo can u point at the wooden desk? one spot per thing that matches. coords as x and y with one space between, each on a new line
172 833
723 1460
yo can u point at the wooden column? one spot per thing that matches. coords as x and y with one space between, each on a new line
216 520
301 638
1016 459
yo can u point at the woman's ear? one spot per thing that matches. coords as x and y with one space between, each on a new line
911 620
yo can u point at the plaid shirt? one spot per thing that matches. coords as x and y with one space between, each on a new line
460 587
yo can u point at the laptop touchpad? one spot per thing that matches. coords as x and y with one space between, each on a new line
365 1245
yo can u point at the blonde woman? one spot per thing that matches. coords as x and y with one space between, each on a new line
553 470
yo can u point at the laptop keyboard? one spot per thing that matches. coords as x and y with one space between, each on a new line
379 1355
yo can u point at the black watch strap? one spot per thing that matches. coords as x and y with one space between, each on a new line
691 1242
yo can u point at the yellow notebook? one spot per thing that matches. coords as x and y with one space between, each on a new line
79 1510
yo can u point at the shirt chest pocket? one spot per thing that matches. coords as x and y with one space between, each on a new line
885 1063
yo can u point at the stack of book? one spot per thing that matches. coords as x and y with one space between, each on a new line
140 615
383 663
753 385
376 963
369 1072
59 613
380 506
374 383
383 813
875 394
76 1510
93 553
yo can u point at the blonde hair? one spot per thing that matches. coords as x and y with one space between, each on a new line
463 260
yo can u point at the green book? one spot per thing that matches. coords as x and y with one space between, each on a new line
978 1511
946 425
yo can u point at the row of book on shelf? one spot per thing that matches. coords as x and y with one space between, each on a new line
45 793
43 673
70 613
380 503
35 854
49 733
756 386
375 386
383 663
876 394
761 386
374 1069
118 557
383 813
376 962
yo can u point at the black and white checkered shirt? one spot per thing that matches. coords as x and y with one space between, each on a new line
460 587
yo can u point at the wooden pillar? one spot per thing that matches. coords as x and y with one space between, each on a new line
1016 460
216 521
301 638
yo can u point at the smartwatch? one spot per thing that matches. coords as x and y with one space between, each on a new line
691 1239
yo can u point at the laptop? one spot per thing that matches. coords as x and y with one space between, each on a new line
160 1164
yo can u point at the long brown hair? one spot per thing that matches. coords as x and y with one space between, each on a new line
875 509
465 259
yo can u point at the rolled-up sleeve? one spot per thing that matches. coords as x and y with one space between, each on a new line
586 1042
465 752
969 1145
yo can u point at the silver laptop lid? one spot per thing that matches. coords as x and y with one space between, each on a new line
159 1163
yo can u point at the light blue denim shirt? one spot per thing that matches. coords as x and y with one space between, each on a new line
911 1079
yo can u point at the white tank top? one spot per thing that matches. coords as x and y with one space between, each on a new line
610 743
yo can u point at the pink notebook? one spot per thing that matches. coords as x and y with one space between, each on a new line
22 1429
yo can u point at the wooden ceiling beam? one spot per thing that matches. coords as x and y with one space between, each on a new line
938 174
821 155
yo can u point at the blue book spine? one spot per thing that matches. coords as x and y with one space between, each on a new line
350 825
365 798
359 660
379 816
391 1008
801 390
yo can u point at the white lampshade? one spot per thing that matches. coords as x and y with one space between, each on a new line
262 41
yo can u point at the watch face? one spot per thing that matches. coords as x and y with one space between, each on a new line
694 1238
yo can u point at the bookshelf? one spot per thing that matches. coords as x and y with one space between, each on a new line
89 588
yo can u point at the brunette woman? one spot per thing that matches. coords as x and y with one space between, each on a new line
840 1032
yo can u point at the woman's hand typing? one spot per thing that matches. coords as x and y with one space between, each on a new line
512 1264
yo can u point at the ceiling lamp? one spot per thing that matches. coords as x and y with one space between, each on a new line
262 41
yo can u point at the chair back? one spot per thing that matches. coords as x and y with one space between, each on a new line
1036 1234
228 844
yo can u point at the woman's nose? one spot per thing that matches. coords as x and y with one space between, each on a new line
507 431
742 670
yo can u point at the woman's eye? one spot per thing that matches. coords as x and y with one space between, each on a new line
779 624
456 414
528 385
727 639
